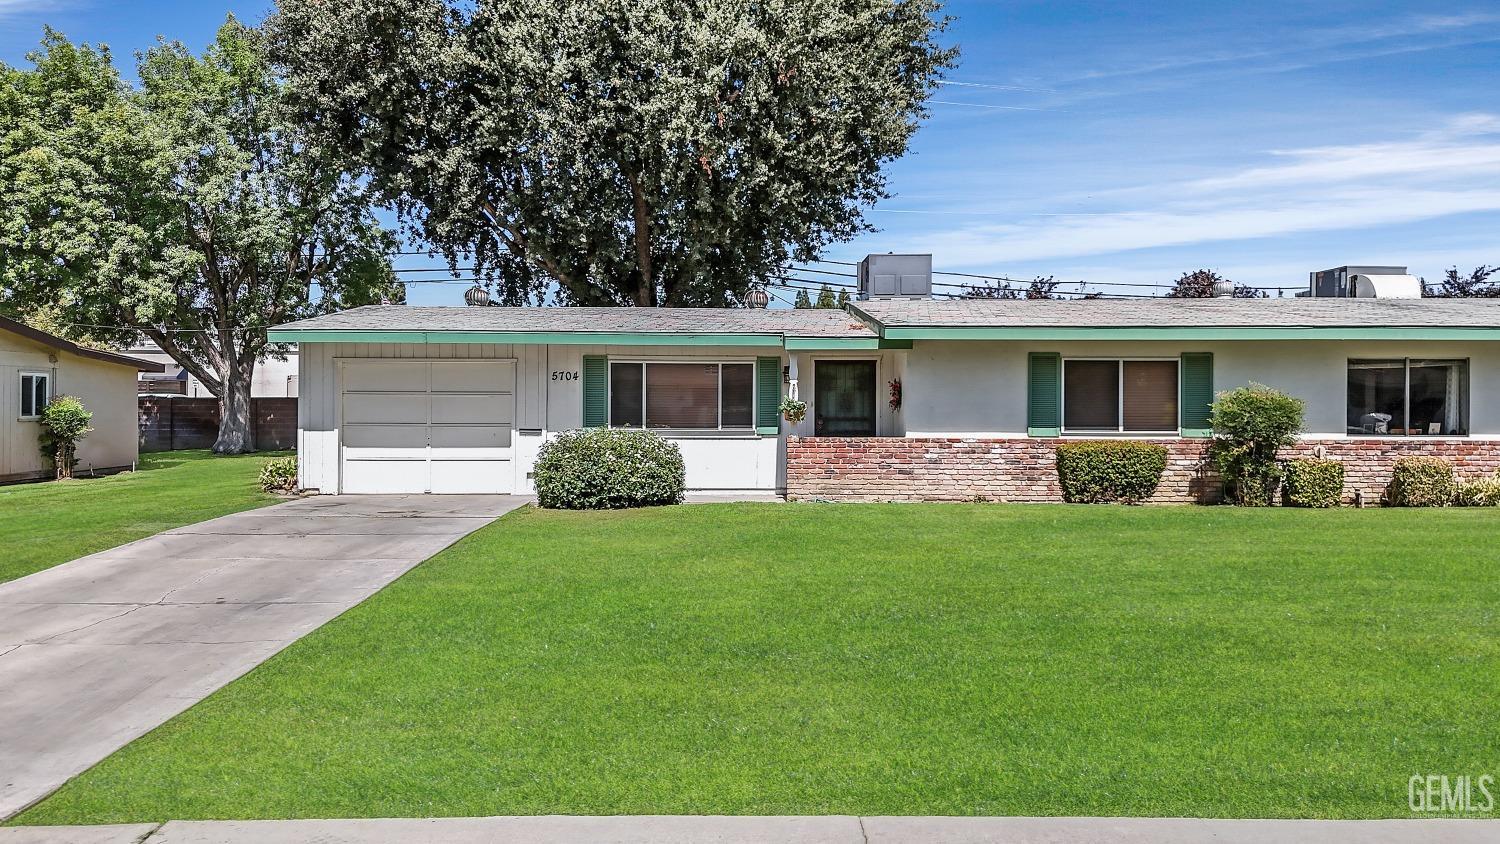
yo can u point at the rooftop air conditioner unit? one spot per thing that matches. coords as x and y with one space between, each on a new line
891 276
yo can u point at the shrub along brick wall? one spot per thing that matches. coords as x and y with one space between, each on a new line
1025 468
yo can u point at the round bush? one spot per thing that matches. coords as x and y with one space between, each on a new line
1099 471
1314 483
608 469
279 475
1422 482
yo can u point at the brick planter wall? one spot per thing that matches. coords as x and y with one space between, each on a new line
1025 469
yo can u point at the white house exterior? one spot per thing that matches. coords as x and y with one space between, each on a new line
274 377
907 399
36 367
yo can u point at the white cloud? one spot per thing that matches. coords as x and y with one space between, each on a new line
1453 170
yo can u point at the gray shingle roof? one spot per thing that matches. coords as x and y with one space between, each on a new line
788 323
1181 313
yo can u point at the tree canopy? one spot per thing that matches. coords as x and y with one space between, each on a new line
190 209
1476 284
625 152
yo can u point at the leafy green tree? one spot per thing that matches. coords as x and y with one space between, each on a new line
650 152
191 209
65 421
803 301
826 299
843 301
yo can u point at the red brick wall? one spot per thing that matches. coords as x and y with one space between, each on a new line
1024 469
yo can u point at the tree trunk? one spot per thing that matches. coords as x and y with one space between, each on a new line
236 431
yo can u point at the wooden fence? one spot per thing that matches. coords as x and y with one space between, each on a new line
171 423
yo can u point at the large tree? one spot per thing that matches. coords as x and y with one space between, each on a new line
619 152
190 208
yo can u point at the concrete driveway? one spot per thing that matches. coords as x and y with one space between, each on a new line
98 651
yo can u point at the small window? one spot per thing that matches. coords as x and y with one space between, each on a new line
682 396
1120 396
1408 397
36 390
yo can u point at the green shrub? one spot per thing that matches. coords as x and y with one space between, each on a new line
1423 482
608 468
1480 492
1096 471
1251 424
279 475
1314 483
65 421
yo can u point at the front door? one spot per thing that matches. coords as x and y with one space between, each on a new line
844 398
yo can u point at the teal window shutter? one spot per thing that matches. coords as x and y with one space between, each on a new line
1197 393
595 391
1044 394
768 396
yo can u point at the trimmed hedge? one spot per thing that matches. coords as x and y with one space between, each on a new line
1423 482
1099 471
609 469
1314 483
1480 492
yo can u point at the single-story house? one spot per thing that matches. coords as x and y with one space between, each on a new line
38 366
907 398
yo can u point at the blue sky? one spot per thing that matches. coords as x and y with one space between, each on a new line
1124 143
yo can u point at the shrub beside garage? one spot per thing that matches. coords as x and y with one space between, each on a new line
609 469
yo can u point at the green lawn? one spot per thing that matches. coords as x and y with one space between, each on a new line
874 659
44 524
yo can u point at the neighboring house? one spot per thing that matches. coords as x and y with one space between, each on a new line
37 366
408 399
273 378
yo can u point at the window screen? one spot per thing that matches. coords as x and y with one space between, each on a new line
738 395
626 408
1128 396
1150 395
1091 395
682 395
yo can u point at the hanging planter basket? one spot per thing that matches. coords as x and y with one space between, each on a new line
793 410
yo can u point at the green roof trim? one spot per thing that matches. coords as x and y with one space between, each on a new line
824 344
1367 332
561 338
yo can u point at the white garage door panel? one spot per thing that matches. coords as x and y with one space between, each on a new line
428 426
385 375
398 438
470 436
488 409
473 377
368 408
383 476
458 477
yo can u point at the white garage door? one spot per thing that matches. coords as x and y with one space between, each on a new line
427 426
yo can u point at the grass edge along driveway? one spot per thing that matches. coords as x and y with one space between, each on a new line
866 659
45 524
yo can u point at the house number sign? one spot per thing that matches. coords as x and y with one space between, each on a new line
563 375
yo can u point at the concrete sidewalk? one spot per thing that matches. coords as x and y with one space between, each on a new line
842 829
100 650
